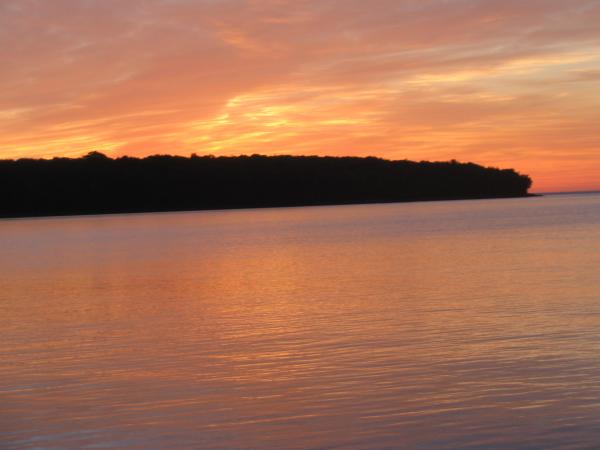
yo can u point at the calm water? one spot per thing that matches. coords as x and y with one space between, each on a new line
450 325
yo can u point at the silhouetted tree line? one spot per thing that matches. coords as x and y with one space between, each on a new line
98 184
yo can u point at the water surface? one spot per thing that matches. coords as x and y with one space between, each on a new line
454 325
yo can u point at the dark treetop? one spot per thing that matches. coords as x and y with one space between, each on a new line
98 184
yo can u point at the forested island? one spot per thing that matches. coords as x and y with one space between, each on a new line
97 184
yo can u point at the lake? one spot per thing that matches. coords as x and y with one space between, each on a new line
450 325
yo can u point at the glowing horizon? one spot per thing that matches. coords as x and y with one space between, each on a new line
499 83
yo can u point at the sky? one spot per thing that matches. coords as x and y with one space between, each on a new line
504 83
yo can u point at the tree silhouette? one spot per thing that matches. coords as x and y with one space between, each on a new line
96 183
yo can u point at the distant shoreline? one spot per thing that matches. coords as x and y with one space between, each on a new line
569 192
233 208
96 184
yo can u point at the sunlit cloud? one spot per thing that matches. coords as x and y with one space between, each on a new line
503 83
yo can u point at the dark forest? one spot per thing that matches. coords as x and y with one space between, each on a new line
96 184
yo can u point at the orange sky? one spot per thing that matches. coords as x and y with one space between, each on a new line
508 83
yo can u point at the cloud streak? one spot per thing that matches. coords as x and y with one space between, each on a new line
506 83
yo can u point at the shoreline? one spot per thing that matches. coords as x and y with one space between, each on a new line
42 215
